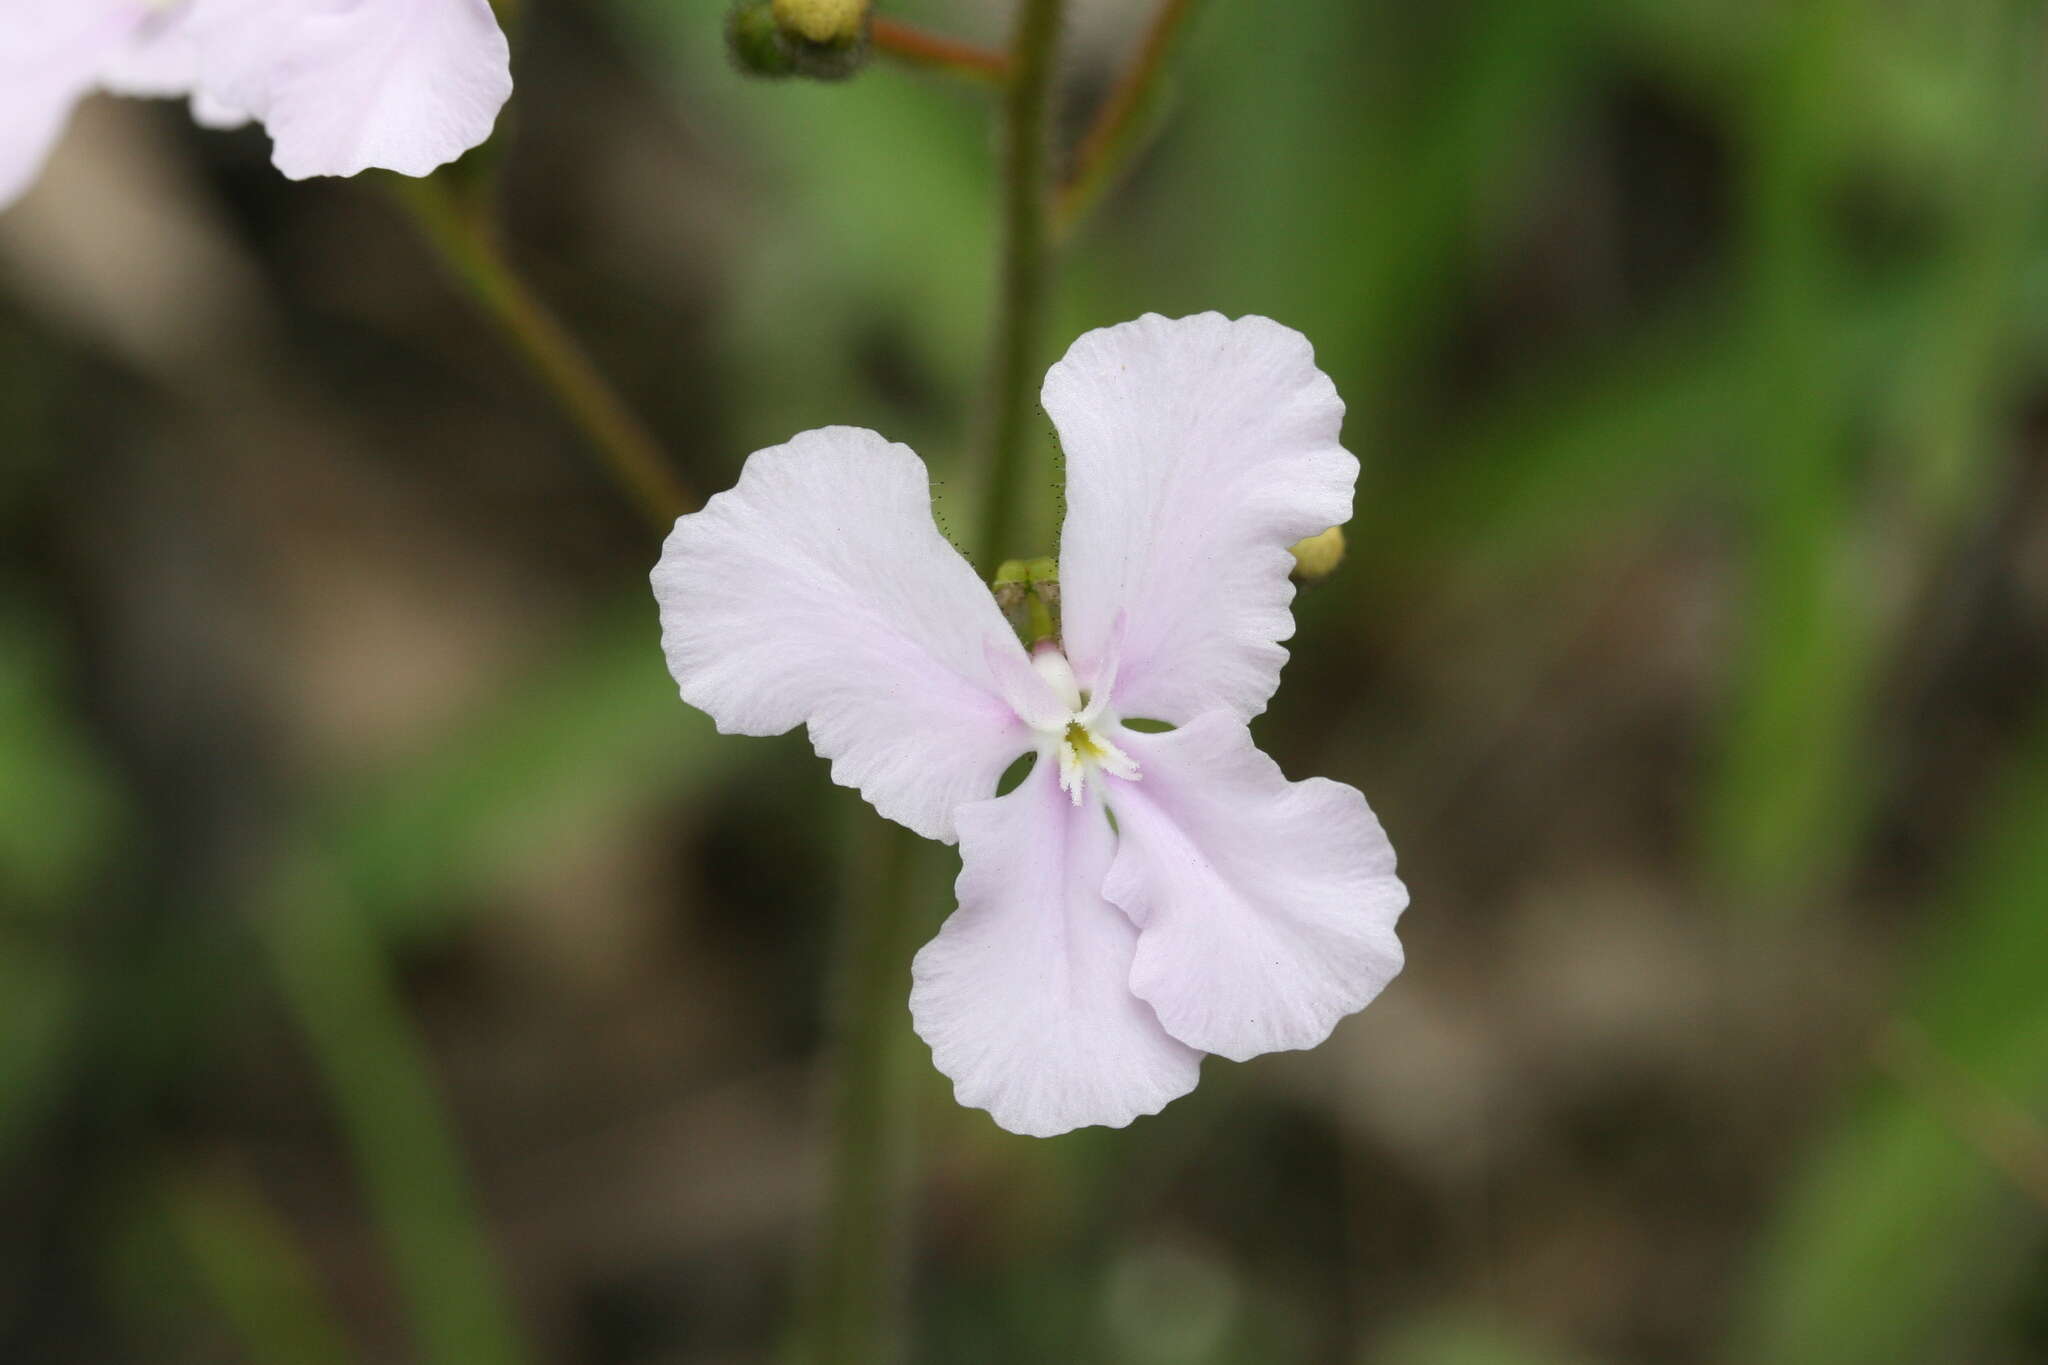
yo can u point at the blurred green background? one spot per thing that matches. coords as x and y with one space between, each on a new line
392 969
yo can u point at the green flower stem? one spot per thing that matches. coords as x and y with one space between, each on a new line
1027 268
858 1292
470 250
1114 136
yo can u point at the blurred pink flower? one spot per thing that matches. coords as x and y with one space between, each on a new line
1140 898
341 85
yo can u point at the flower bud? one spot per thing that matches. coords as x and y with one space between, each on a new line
830 22
1044 576
1318 557
826 40
1011 584
1028 591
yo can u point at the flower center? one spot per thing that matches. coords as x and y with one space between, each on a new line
1083 750
1080 742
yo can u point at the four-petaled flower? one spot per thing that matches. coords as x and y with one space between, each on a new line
1141 897
341 85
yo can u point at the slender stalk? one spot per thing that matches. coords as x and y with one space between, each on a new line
470 250
251 1264
1114 135
2009 1138
334 976
915 47
858 1292
1027 267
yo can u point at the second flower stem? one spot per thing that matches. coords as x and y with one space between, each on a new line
1026 268
1116 130
469 248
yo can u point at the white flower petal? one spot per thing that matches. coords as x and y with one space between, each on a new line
52 53
345 85
1024 995
818 590
210 111
243 46
1198 450
160 59
1023 686
33 115
1265 908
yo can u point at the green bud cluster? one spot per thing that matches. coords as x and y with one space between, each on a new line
824 40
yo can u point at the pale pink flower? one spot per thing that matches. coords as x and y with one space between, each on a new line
1140 898
340 85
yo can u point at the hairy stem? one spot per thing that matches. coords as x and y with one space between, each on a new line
1027 268
1114 135
470 251
915 47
